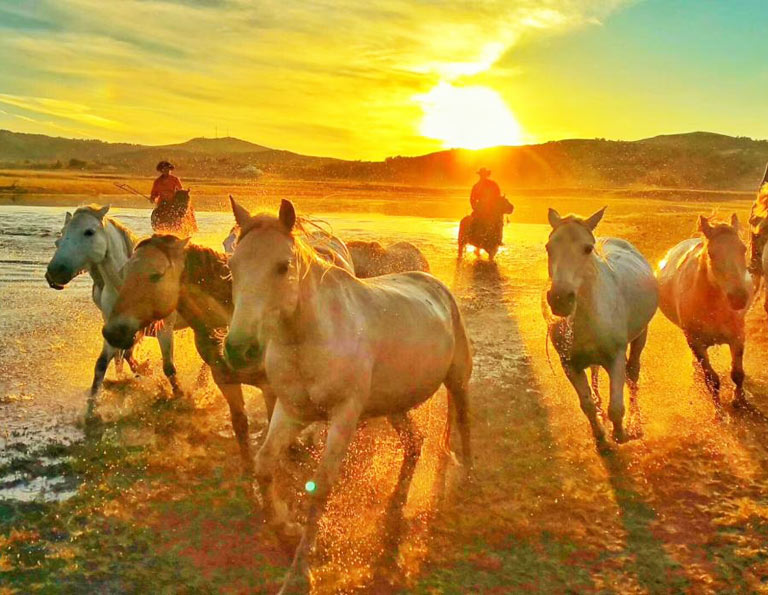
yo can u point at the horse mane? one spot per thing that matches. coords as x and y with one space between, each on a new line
208 269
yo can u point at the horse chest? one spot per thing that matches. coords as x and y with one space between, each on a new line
309 381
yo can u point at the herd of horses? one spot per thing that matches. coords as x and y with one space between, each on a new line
339 332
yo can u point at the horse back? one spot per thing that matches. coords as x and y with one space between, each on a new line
632 280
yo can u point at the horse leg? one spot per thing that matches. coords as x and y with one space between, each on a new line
340 431
280 435
595 382
165 339
119 360
100 369
578 379
617 374
412 440
233 393
269 400
737 371
711 378
633 375
492 253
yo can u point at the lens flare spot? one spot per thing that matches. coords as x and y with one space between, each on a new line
310 486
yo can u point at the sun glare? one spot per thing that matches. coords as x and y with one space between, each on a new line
468 117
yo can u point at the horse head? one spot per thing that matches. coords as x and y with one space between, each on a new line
150 289
570 252
505 207
83 243
266 270
726 256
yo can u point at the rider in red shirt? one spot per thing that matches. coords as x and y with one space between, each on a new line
165 185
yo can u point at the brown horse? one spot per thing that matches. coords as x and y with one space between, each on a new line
706 291
485 232
167 274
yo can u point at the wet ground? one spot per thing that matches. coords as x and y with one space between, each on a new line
682 508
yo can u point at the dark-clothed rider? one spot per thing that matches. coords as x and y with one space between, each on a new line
484 200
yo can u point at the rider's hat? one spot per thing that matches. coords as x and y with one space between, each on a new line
483 172
163 164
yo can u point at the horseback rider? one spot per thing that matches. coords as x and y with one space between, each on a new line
484 199
173 211
166 184
758 226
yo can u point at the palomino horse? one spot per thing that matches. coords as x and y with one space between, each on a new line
340 349
371 259
705 290
91 241
485 233
603 294
167 274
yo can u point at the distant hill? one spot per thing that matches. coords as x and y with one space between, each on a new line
702 160
227 144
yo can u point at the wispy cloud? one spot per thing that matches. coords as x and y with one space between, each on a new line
334 77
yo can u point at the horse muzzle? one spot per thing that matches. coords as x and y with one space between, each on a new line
240 355
121 335
58 277
561 303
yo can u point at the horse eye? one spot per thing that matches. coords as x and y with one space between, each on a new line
88 233
155 277
282 268
588 249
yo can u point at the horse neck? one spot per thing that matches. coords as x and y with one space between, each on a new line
206 276
119 249
589 290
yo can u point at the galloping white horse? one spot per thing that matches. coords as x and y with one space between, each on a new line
604 295
91 241
340 349
705 290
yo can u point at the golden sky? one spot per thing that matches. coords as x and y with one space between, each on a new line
357 79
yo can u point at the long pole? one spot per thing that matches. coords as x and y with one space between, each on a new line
131 189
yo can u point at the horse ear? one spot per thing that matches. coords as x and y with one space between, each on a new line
102 212
554 217
704 226
594 219
67 218
287 214
735 222
242 216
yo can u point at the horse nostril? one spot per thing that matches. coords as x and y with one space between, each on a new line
561 302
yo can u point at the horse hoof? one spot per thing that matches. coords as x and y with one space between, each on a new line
621 437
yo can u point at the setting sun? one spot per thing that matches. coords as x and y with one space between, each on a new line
468 117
